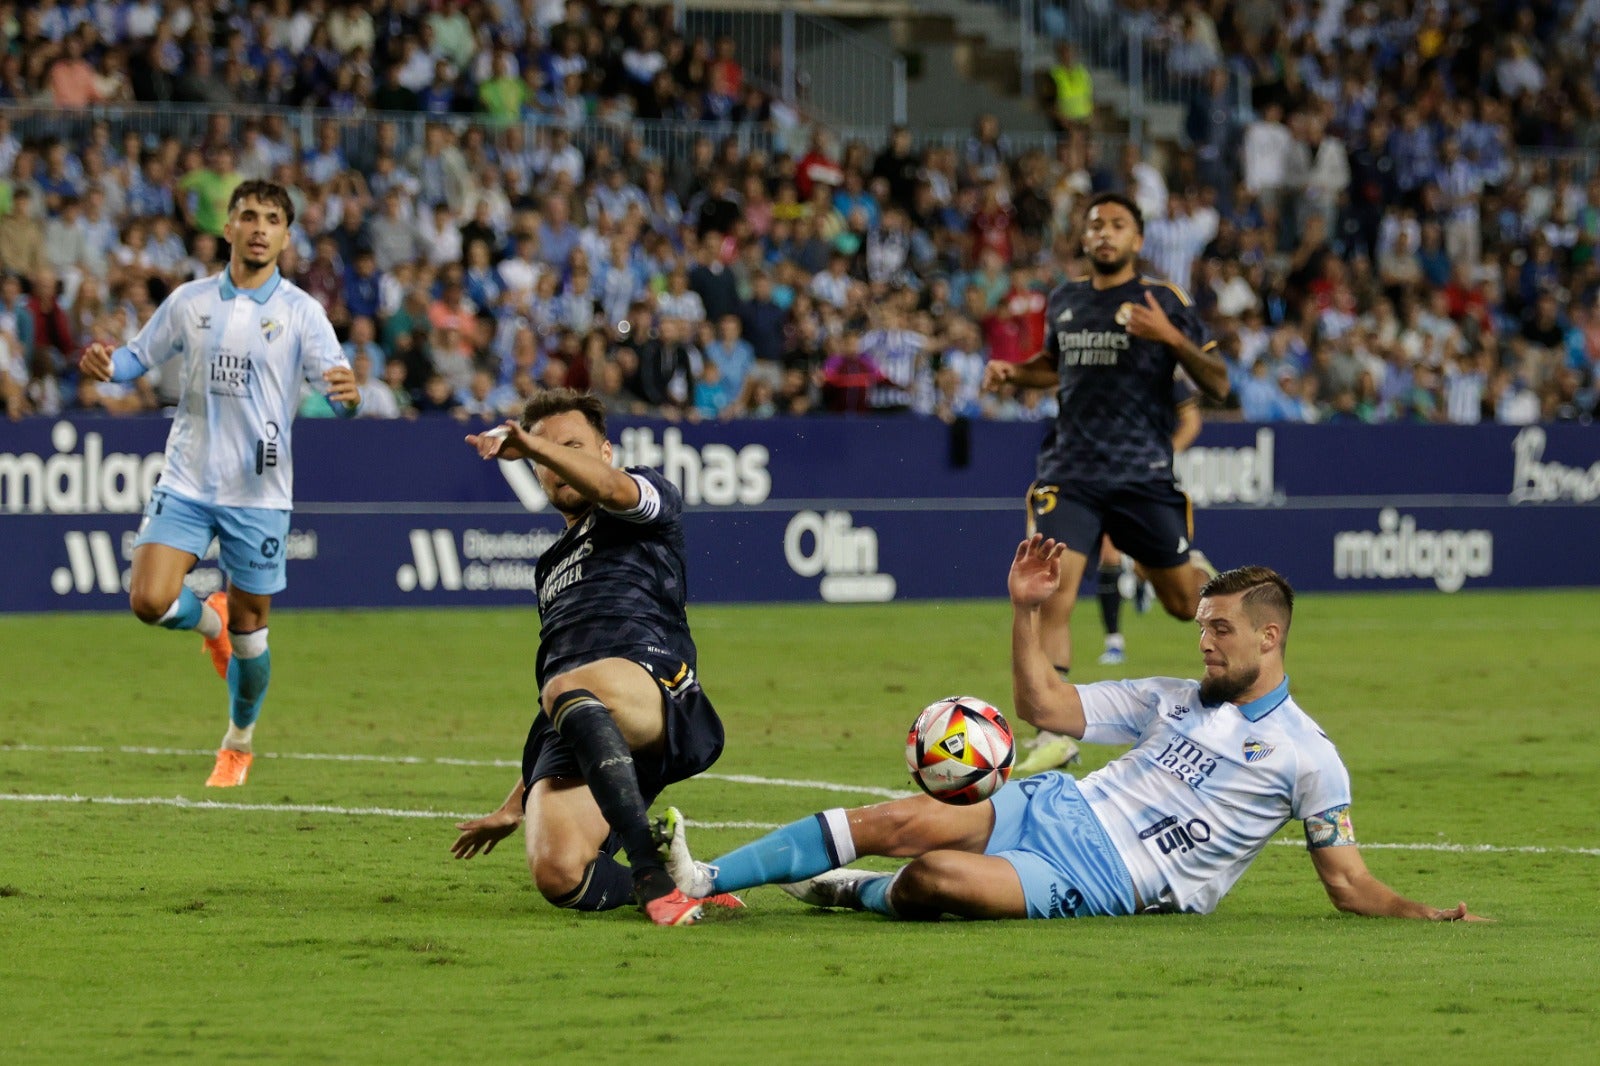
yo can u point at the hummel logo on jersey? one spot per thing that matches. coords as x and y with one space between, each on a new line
1065 316
205 321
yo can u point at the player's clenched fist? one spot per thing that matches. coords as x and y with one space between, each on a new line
997 373
96 362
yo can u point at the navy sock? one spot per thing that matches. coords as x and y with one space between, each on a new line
607 764
606 885
187 615
1110 594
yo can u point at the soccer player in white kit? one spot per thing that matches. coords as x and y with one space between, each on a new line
247 338
1218 766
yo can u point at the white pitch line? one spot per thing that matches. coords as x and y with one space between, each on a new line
417 760
292 808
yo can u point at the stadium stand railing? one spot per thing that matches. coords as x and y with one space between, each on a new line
819 65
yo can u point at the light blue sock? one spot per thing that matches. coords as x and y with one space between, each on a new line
185 613
247 685
875 895
793 853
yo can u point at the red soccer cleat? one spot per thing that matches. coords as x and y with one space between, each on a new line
674 909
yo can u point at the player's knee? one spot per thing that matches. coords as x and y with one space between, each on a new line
928 882
1180 604
147 607
557 875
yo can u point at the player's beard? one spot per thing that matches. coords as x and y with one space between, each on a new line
1111 266
1228 687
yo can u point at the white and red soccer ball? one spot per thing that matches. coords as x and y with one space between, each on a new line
960 750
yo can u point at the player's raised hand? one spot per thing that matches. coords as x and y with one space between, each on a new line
1150 322
508 440
344 390
96 362
997 373
1035 571
480 835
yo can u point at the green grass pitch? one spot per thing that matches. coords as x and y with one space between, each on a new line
159 933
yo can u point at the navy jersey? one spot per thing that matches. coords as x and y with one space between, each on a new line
1117 390
614 584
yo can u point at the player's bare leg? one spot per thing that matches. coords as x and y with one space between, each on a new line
565 832
959 883
607 710
1178 588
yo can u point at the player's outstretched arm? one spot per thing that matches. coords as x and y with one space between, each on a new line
482 834
1353 889
585 470
1040 696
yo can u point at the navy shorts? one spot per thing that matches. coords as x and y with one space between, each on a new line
692 743
1151 520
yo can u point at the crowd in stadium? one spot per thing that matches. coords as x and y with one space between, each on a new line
1372 243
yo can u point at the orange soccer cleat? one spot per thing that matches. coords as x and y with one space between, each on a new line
220 647
673 909
231 769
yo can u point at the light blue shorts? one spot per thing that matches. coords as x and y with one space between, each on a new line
253 540
1048 832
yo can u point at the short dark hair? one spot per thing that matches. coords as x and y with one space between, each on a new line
1265 592
1120 200
268 192
559 402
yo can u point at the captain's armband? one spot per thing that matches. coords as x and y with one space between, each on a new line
1330 829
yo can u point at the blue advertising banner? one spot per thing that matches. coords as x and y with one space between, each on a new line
841 510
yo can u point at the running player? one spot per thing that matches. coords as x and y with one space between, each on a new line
1218 766
621 712
1115 341
246 338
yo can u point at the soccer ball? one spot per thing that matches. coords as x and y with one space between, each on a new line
960 750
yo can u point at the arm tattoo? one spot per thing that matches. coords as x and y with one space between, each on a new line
1330 829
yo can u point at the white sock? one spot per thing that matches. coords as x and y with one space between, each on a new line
238 739
1114 641
836 824
210 624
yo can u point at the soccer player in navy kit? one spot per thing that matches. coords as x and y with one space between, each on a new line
1114 342
621 712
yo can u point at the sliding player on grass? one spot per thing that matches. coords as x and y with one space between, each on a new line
1218 766
245 340
621 714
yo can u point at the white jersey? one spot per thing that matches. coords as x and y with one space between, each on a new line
244 357
1206 786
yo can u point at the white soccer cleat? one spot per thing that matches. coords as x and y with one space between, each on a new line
835 888
696 879
1047 751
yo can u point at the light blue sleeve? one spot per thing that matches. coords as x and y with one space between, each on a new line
160 339
1117 712
320 351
